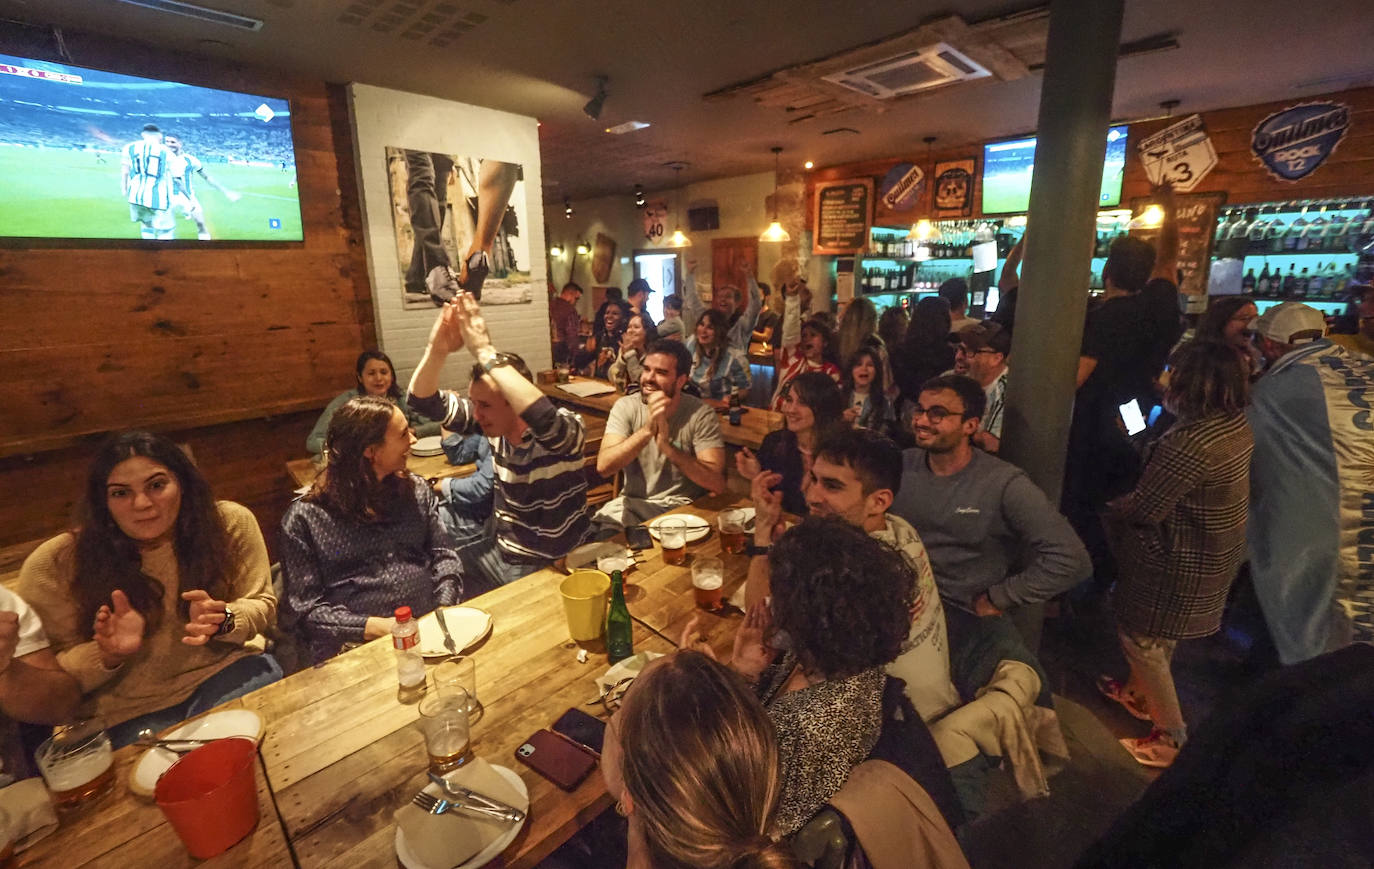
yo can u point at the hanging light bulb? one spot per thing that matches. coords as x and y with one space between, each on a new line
1151 217
567 208
775 232
556 251
583 248
678 238
922 230
639 196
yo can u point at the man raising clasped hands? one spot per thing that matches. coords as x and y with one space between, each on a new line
667 443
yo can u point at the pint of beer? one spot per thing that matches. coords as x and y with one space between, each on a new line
444 722
77 763
731 525
708 575
672 533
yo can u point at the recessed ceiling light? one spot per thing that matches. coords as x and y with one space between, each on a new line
808 165
627 127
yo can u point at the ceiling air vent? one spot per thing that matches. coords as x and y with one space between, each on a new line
910 73
190 10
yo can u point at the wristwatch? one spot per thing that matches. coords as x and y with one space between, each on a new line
496 360
755 549
227 625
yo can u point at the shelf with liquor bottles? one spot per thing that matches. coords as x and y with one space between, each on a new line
1306 250
903 262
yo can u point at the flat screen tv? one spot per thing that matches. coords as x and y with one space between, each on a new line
87 154
1007 173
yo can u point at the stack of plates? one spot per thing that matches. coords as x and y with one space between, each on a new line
430 446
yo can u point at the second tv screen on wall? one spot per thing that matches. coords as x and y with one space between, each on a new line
1007 168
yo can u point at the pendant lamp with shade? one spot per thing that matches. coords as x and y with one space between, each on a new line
678 238
775 232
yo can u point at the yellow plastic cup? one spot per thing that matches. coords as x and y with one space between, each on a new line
585 595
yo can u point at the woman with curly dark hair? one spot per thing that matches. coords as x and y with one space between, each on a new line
158 601
367 538
845 619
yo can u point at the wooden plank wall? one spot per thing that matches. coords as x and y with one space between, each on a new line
1347 172
231 348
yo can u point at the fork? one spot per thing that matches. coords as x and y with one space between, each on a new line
443 625
439 805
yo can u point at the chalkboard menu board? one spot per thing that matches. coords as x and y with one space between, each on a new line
844 213
1197 224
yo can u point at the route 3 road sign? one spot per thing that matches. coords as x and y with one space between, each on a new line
1180 155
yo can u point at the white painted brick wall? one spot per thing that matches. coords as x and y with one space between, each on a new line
387 118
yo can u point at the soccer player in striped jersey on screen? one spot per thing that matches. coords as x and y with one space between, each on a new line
146 182
181 166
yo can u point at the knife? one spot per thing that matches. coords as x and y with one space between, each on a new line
476 801
443 626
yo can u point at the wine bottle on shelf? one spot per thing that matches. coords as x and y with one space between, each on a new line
1311 234
1300 285
1295 231
1316 283
1247 283
1335 230
1277 230
1262 286
1290 280
1224 226
1254 238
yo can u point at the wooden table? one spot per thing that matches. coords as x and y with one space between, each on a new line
755 424
341 752
122 830
303 471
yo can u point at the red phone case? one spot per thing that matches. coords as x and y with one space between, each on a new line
556 758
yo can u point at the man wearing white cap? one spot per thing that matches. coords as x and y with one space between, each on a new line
1311 486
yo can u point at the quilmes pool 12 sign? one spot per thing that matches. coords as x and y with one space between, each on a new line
1292 143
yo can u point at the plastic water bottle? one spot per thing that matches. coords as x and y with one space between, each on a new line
405 638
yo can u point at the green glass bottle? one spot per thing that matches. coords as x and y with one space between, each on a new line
619 630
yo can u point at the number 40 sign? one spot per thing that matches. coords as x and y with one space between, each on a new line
1180 155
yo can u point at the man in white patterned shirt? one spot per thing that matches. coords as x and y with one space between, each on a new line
854 476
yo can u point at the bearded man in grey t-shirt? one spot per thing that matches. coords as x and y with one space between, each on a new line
667 443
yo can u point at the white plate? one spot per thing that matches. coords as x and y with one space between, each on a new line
216 725
467 625
697 527
487 854
591 554
428 446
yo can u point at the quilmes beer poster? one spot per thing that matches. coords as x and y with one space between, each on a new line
1294 142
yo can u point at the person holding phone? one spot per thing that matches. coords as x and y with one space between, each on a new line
1179 537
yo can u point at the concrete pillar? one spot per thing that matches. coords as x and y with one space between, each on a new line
1075 111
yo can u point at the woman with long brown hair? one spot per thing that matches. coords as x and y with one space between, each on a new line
692 762
716 371
156 603
367 538
812 408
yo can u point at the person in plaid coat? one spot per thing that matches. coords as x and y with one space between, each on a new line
1179 537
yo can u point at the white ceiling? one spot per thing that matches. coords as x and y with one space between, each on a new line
538 57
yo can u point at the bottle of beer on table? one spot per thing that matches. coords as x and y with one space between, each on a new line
736 413
619 630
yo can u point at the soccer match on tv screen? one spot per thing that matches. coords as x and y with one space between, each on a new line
91 154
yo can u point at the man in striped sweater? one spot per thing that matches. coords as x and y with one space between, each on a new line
540 507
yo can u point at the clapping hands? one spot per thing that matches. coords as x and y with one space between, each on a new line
118 629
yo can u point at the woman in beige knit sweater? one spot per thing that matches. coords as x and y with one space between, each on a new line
157 603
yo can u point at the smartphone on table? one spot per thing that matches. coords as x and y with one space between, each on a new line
639 537
566 754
